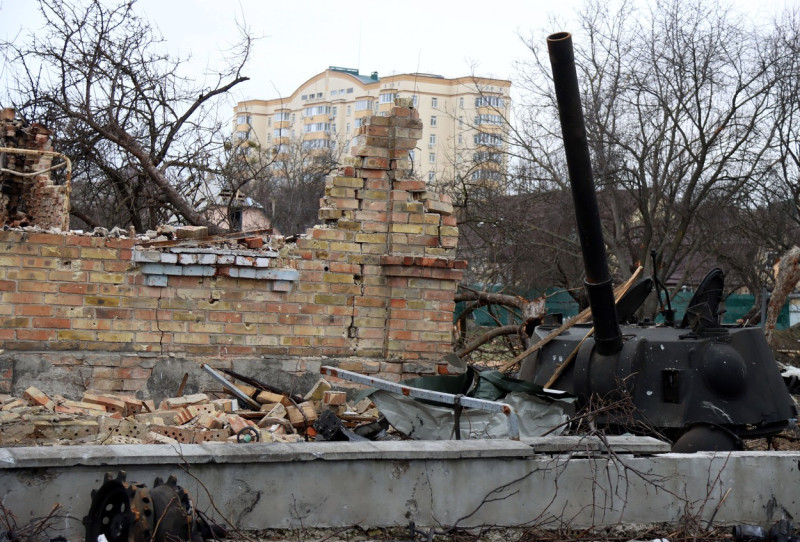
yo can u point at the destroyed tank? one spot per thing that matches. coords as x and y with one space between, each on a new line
703 385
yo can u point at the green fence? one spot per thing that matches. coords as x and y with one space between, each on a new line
560 302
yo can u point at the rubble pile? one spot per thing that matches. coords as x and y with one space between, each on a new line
37 419
167 235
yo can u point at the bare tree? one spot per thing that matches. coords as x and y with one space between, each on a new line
291 187
678 109
143 136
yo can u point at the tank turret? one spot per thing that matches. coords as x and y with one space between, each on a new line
703 384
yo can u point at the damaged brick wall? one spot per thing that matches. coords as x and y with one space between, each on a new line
28 196
370 289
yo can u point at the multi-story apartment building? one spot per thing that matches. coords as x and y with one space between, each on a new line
464 119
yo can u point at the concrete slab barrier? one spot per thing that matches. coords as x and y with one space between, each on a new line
576 482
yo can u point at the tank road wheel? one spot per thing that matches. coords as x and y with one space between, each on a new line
707 437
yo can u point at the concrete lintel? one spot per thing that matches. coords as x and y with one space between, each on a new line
155 454
158 454
235 252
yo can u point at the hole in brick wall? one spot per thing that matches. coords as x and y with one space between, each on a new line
326 268
357 278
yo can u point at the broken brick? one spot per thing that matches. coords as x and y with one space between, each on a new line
36 397
302 415
334 398
185 415
237 423
315 394
111 404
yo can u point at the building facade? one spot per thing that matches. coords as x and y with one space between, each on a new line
464 119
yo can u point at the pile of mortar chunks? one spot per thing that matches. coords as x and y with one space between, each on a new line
36 419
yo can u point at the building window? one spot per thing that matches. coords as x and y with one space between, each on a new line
432 141
489 119
350 90
319 95
433 120
318 144
348 111
487 175
431 176
333 111
411 155
281 132
243 119
317 127
235 218
292 118
488 140
461 102
486 156
348 127
363 105
317 110
460 139
269 122
432 157
388 97
434 102
333 93
360 122
304 97
460 120
414 101
281 117
489 101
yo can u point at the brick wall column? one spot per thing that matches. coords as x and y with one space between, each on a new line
398 238
29 200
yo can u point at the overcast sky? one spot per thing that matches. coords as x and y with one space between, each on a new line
299 39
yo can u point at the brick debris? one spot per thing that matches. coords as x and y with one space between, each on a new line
39 419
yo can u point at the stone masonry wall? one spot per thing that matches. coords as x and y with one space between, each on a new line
370 289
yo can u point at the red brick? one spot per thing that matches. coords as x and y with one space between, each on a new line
18 298
34 334
36 397
118 314
78 240
33 310
44 238
228 317
117 267
375 162
237 423
51 323
111 404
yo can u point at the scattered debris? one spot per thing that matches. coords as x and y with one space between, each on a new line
268 415
503 407
258 412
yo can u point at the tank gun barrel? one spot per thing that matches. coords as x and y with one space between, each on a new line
608 337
